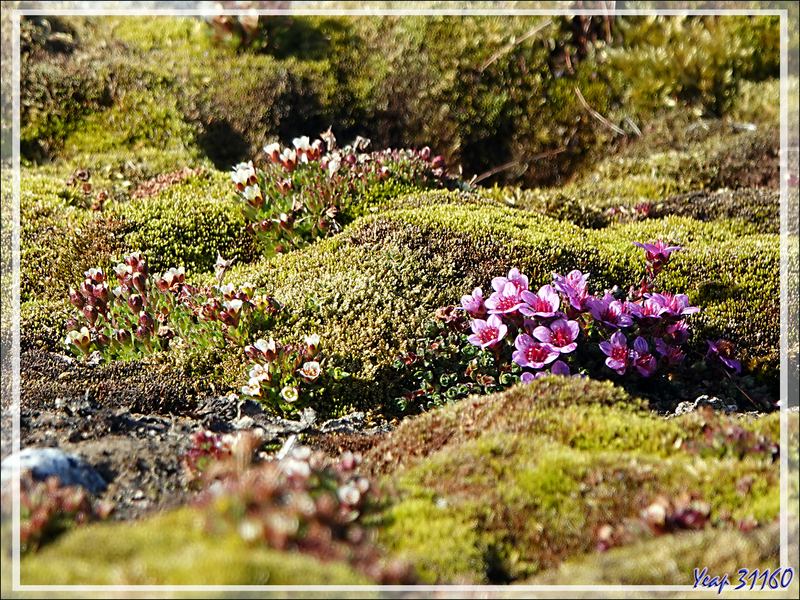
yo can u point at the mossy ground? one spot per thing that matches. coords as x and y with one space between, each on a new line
497 489
528 478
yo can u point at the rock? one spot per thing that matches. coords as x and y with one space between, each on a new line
715 403
44 462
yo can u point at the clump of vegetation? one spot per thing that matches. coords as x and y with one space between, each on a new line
300 196
302 502
564 330
523 475
48 508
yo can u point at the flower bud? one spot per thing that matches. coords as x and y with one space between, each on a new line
146 320
87 289
76 299
425 153
95 276
135 303
312 345
123 336
72 325
139 281
103 339
231 319
143 333
90 312
101 291
438 162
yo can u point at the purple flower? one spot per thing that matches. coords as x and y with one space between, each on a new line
573 286
671 354
674 306
644 361
723 350
519 280
560 368
474 304
561 335
609 311
527 377
676 333
617 352
505 301
533 354
543 304
487 333
658 251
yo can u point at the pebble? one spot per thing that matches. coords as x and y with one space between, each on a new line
44 462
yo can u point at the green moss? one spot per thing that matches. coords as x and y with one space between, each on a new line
187 224
370 291
535 494
671 560
172 549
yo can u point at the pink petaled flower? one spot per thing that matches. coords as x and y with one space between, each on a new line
617 352
474 304
544 303
527 377
658 251
573 286
560 368
519 280
644 361
676 334
609 311
505 301
487 333
674 306
723 350
533 354
310 371
561 335
671 354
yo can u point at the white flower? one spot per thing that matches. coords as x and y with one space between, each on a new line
310 371
252 192
290 394
253 388
243 172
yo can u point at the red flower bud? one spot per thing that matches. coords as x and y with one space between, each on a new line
90 312
140 281
76 299
101 291
103 339
87 289
73 325
135 303
143 333
146 320
123 336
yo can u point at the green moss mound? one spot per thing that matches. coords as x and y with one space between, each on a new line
528 477
172 549
370 292
672 560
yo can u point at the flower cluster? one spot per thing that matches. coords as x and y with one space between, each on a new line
144 313
288 377
301 194
47 508
546 327
302 502
518 333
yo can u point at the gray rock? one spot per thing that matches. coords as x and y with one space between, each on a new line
44 462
